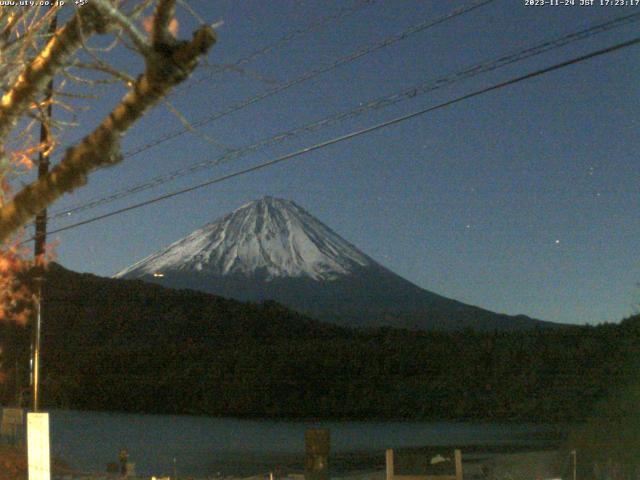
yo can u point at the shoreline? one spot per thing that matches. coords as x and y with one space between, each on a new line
261 461
348 464
479 461
534 421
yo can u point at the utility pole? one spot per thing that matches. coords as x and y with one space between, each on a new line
41 230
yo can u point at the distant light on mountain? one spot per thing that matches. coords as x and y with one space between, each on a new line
274 249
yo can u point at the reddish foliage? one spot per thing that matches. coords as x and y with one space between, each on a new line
14 466
15 295
13 463
17 275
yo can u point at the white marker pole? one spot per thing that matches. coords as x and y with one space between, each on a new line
38 446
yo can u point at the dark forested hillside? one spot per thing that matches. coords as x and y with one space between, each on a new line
127 345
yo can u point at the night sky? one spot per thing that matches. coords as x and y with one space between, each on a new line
522 200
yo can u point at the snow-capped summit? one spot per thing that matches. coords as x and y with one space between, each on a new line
270 237
272 249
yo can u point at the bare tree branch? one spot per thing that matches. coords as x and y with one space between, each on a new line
138 38
165 11
35 77
170 64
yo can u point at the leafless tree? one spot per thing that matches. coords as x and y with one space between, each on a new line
31 55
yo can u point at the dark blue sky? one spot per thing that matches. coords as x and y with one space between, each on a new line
523 200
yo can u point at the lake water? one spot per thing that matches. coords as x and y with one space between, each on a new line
205 446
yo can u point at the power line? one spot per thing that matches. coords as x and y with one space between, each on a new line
235 66
354 134
409 93
366 50
312 74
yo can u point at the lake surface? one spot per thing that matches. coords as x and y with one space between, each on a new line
205 446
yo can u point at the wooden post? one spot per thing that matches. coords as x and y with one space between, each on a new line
317 445
389 457
458 460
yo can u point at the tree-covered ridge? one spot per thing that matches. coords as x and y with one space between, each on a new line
131 346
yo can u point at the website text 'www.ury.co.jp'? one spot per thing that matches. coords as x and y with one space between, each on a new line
32 3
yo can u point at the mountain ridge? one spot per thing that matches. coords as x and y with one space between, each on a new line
132 346
273 249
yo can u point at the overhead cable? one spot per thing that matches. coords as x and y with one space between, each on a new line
406 94
236 65
352 135
365 50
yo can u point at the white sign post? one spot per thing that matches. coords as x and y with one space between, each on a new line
38 446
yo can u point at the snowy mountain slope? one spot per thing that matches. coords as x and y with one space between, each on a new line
271 237
272 249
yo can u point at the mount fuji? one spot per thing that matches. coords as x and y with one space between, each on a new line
272 249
